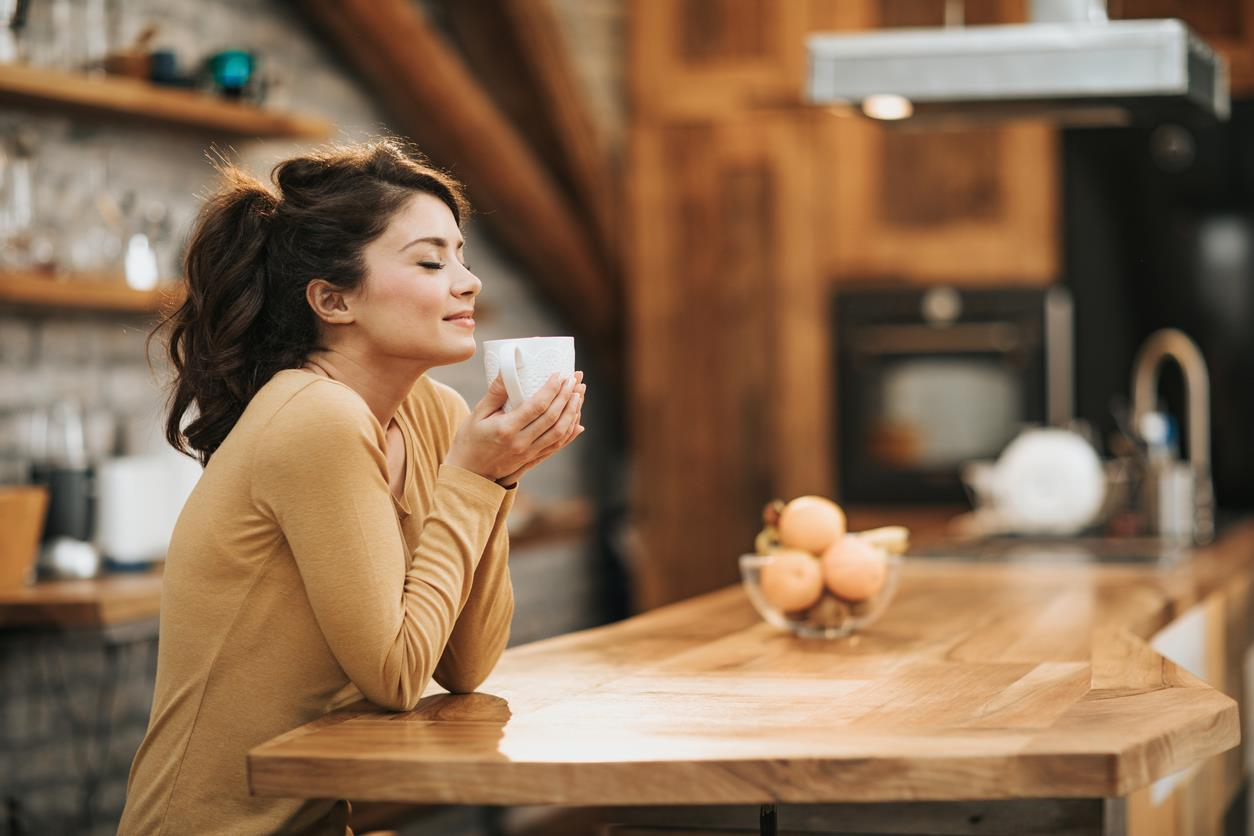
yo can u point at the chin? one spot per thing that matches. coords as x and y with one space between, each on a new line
463 353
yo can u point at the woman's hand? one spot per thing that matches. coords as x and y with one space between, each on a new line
502 446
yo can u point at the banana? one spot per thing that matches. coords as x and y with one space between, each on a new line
894 539
767 540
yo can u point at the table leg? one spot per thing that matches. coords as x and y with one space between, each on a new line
766 820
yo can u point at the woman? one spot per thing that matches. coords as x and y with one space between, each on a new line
347 537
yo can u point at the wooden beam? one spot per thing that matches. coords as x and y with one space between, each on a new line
437 102
519 51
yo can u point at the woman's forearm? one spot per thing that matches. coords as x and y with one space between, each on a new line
482 629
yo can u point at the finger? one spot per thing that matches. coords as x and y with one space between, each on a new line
535 406
570 435
567 418
494 399
549 418
575 430
574 433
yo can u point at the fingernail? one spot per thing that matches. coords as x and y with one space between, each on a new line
581 428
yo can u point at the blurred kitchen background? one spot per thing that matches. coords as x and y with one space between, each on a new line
789 269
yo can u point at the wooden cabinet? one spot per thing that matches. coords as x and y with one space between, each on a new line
702 59
974 206
728 342
746 206
971 205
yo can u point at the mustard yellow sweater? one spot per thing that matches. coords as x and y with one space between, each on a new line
296 582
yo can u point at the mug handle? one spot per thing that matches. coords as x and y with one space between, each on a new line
510 360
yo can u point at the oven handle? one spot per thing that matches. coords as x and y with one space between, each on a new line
961 338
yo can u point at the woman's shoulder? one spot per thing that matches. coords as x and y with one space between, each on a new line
296 399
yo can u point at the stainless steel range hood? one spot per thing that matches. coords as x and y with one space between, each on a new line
1070 63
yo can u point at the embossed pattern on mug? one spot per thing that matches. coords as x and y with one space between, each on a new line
535 364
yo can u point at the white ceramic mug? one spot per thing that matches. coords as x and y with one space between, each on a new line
526 364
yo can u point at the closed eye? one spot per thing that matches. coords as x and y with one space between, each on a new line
431 265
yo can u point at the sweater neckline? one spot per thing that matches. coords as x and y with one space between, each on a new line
404 503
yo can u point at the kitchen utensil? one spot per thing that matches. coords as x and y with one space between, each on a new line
1047 481
12 21
22 509
139 501
68 558
134 60
64 468
231 70
527 363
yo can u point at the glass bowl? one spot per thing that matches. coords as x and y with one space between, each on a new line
831 617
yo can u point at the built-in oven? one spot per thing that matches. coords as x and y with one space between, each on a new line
929 378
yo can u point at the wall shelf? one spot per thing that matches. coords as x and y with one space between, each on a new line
30 290
128 99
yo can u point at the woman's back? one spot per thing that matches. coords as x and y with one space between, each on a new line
243 656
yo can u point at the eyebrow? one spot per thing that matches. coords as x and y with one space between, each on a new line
431 239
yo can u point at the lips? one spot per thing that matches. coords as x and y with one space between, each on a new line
469 314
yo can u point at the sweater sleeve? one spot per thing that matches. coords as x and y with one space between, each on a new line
320 471
482 629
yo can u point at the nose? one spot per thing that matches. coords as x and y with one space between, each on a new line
467 284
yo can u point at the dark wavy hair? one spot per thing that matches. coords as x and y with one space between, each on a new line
251 254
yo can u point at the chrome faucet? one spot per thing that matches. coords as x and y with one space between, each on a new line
1170 342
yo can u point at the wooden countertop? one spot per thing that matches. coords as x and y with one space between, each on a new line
100 602
982 681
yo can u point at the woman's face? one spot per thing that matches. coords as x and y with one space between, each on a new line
417 300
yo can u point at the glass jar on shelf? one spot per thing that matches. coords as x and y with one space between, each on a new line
92 238
52 36
25 241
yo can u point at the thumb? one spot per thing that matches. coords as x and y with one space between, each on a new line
494 399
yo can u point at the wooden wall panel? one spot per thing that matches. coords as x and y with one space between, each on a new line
723 295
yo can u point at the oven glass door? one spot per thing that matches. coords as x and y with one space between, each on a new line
934 413
915 403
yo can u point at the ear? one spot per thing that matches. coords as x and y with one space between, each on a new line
329 302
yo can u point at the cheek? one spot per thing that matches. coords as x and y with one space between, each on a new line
406 298
414 312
